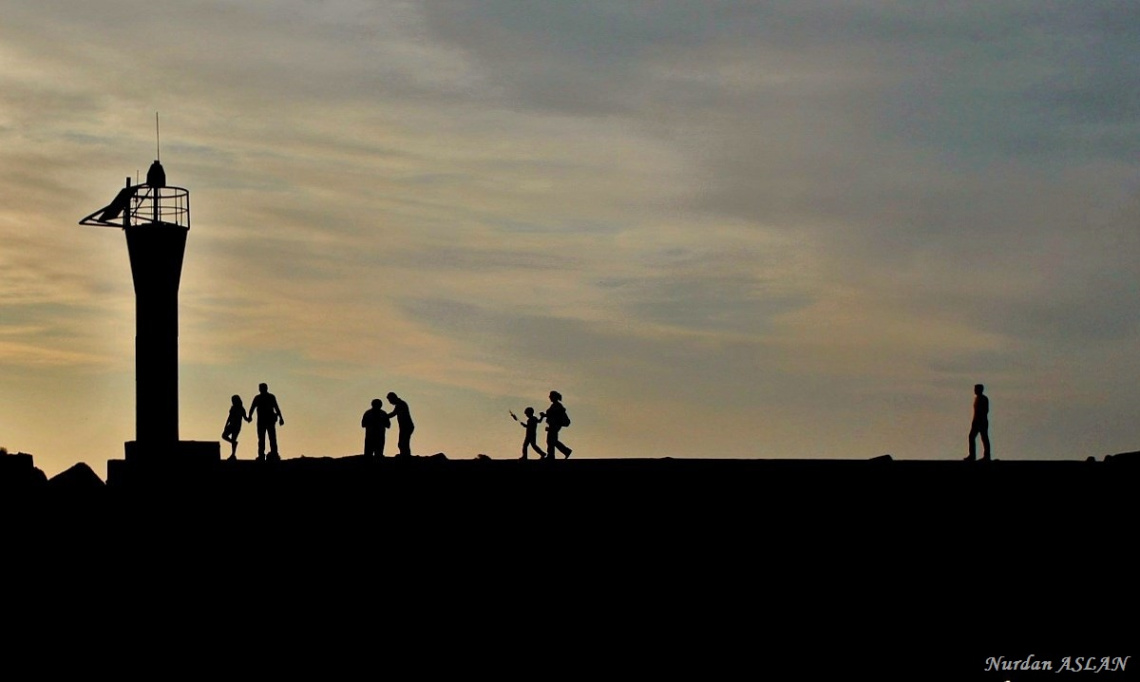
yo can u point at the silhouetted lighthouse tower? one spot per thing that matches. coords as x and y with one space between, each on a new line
156 220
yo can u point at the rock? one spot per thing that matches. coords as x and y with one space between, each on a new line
79 478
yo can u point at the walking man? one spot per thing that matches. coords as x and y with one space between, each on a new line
980 426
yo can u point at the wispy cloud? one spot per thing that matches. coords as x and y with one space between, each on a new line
718 228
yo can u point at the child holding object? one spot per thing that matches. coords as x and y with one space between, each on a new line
531 438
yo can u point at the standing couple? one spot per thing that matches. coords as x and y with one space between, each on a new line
376 421
268 417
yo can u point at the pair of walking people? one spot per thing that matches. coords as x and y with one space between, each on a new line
376 422
556 419
268 418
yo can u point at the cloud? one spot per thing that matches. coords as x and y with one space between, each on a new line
764 227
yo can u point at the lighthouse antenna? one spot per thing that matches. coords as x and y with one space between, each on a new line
157 147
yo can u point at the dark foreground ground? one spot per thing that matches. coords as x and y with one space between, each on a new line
716 569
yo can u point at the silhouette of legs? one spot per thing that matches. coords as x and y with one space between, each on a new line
552 444
263 430
374 446
983 430
405 441
531 444
232 440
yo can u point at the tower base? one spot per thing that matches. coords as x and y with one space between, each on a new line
159 464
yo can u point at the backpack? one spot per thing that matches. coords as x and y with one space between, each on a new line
565 419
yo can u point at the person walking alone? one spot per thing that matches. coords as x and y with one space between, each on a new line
980 424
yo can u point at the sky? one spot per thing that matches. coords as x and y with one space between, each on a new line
797 229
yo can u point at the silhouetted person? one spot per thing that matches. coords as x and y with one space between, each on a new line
980 426
404 421
556 419
531 439
375 423
268 417
233 424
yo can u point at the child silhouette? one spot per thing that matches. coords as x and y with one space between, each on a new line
531 439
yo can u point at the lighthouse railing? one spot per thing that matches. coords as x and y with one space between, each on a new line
169 205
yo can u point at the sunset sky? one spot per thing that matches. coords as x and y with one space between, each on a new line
797 229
